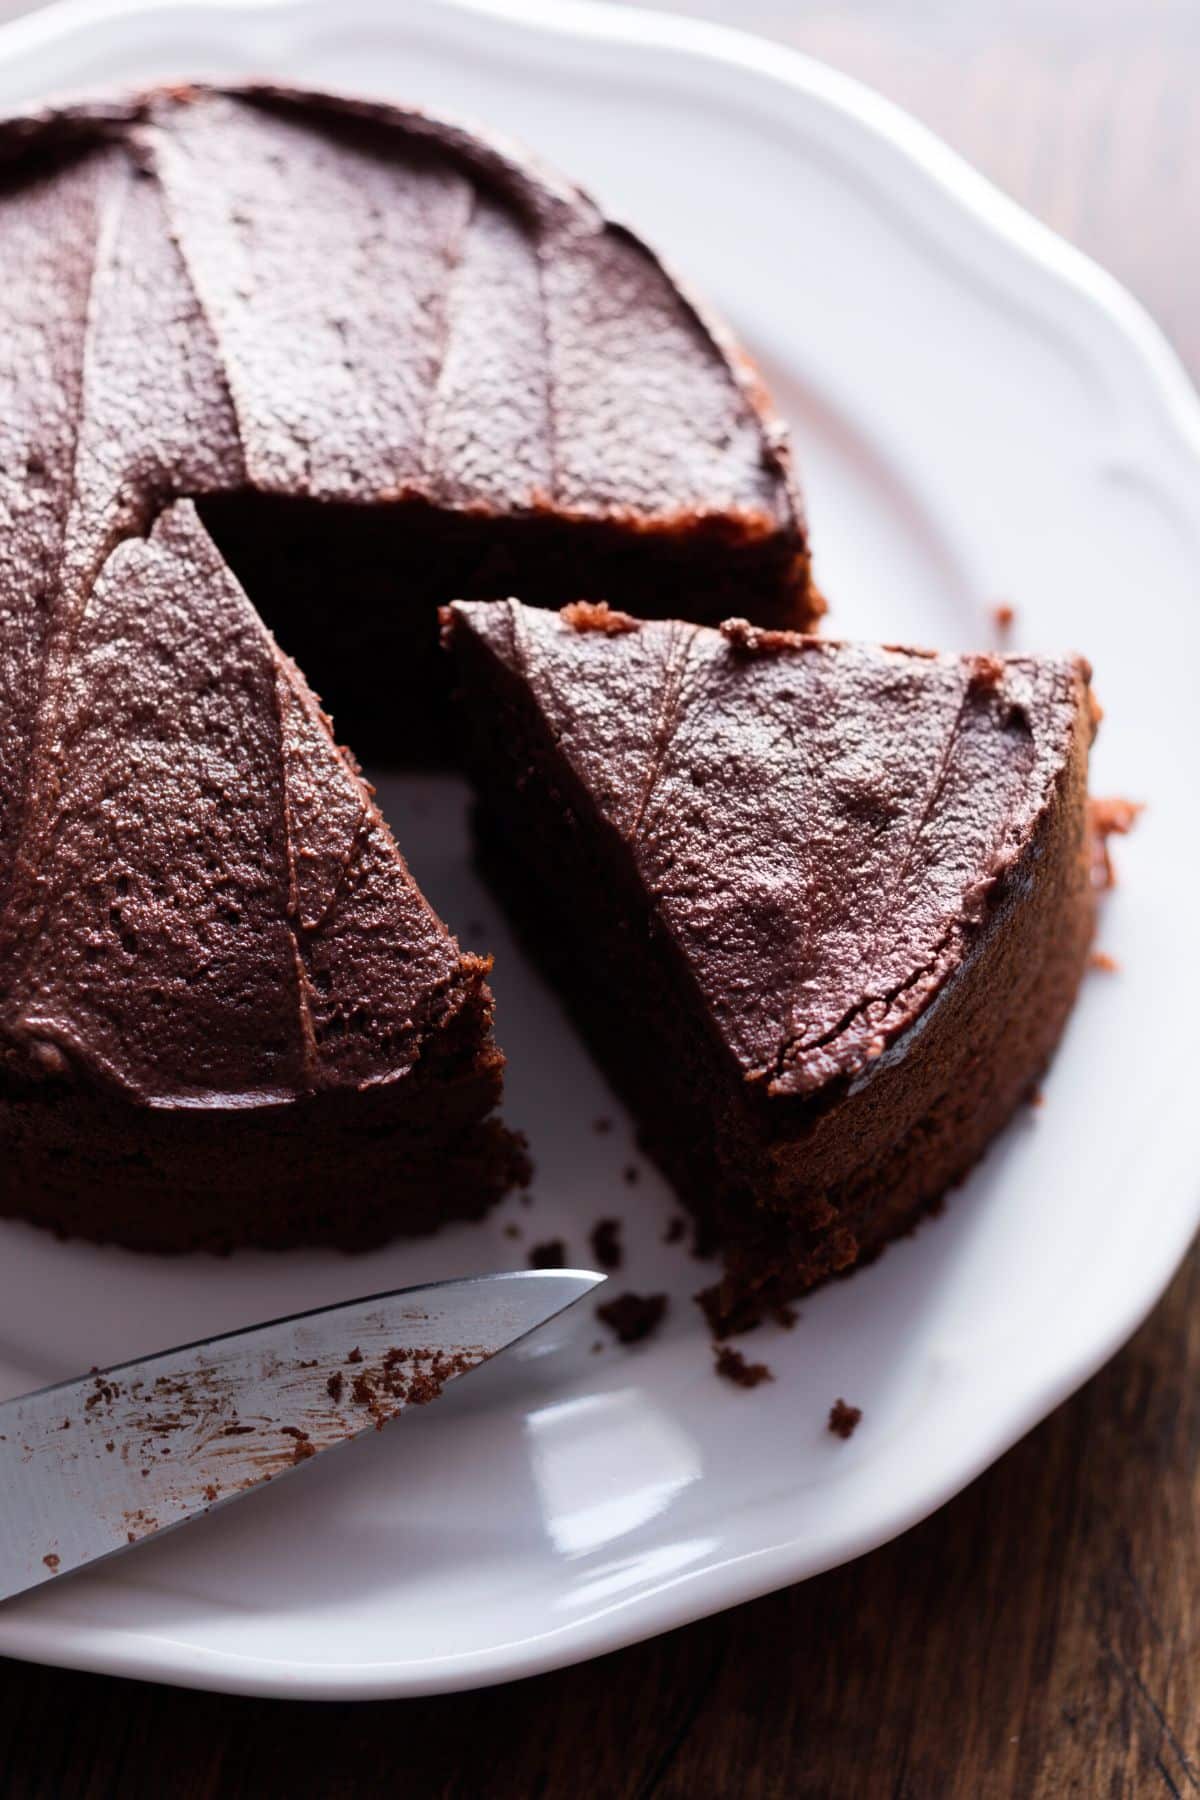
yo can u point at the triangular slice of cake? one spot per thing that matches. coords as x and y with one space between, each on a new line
820 908
227 1013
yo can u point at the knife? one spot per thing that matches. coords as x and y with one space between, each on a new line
92 1466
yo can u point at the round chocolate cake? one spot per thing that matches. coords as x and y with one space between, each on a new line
281 363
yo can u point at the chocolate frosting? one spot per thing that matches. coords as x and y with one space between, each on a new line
817 826
259 291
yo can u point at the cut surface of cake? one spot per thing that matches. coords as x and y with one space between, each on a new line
821 909
271 359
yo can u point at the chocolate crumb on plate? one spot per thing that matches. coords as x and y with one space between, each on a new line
550 1255
1108 965
843 1419
606 1243
732 1366
633 1317
631 1175
675 1229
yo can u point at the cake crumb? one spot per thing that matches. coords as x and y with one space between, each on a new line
675 1229
355 1355
987 673
597 615
786 1316
51 1561
633 1317
745 639
631 1174
1108 965
732 1366
512 1231
1109 818
336 1386
1004 616
550 1255
843 1420
606 1244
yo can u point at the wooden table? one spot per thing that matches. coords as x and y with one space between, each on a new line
1040 1637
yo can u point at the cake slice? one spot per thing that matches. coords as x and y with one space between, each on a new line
227 1014
820 908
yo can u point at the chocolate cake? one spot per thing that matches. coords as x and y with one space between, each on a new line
280 360
820 908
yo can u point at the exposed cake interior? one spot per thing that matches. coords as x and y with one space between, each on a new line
821 909
380 671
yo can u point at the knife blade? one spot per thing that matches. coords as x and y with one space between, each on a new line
92 1466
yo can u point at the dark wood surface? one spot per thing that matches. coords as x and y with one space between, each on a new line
1041 1635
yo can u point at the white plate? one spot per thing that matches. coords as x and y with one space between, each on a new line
980 415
